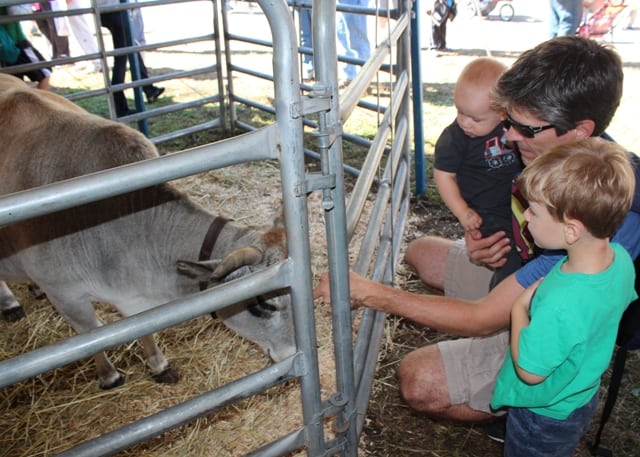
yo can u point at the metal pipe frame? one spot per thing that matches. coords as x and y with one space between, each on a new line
355 361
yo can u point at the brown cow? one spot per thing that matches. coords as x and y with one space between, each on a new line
122 250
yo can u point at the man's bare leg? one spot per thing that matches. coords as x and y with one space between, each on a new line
427 256
423 386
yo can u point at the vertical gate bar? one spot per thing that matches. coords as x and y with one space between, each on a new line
416 78
222 110
325 57
288 103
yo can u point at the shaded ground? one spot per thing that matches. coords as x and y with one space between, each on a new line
393 429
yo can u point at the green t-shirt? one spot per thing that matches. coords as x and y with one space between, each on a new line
574 323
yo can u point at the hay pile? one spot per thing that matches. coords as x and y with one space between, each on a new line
48 414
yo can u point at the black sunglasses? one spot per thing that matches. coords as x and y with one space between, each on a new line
526 131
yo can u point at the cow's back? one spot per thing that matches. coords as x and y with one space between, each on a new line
45 138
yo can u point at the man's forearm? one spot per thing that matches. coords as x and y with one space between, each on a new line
446 314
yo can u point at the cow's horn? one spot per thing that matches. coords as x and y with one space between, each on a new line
236 259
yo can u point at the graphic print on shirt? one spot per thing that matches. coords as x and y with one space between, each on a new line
497 154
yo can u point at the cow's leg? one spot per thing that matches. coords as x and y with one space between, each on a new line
11 309
79 313
108 376
157 363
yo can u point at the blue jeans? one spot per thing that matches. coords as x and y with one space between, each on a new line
305 34
565 17
532 435
353 37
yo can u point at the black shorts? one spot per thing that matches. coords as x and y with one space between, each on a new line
29 54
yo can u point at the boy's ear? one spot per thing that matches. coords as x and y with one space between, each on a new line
584 129
573 230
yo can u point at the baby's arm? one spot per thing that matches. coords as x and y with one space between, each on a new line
450 193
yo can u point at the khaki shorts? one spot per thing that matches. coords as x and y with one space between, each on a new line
463 279
471 366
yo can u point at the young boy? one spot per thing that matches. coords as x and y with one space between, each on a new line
562 337
473 166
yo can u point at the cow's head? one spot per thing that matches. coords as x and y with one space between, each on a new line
266 320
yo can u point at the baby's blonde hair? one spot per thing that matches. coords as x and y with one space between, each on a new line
483 72
591 180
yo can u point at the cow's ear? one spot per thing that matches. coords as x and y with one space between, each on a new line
197 270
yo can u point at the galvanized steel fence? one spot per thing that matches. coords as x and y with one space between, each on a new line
383 178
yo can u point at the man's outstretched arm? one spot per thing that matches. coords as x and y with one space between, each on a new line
446 314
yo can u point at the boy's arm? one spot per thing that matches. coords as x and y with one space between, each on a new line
519 320
450 192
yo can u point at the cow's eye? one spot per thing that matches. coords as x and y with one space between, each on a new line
262 308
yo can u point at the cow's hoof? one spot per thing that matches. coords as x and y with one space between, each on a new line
112 385
13 314
168 376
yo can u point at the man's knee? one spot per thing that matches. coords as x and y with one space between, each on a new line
411 253
422 380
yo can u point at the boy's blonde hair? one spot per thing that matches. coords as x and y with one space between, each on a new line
591 180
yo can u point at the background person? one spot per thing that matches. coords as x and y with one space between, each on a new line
565 17
22 53
353 37
116 22
441 12
49 27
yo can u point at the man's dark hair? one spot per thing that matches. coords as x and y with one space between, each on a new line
563 81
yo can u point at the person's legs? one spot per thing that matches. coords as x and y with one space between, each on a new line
453 379
306 37
444 264
427 256
443 36
535 435
29 54
344 49
59 43
358 35
437 36
567 15
81 29
113 22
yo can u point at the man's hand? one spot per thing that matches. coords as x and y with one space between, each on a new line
323 289
360 288
490 251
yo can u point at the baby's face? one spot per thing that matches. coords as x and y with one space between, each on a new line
475 116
